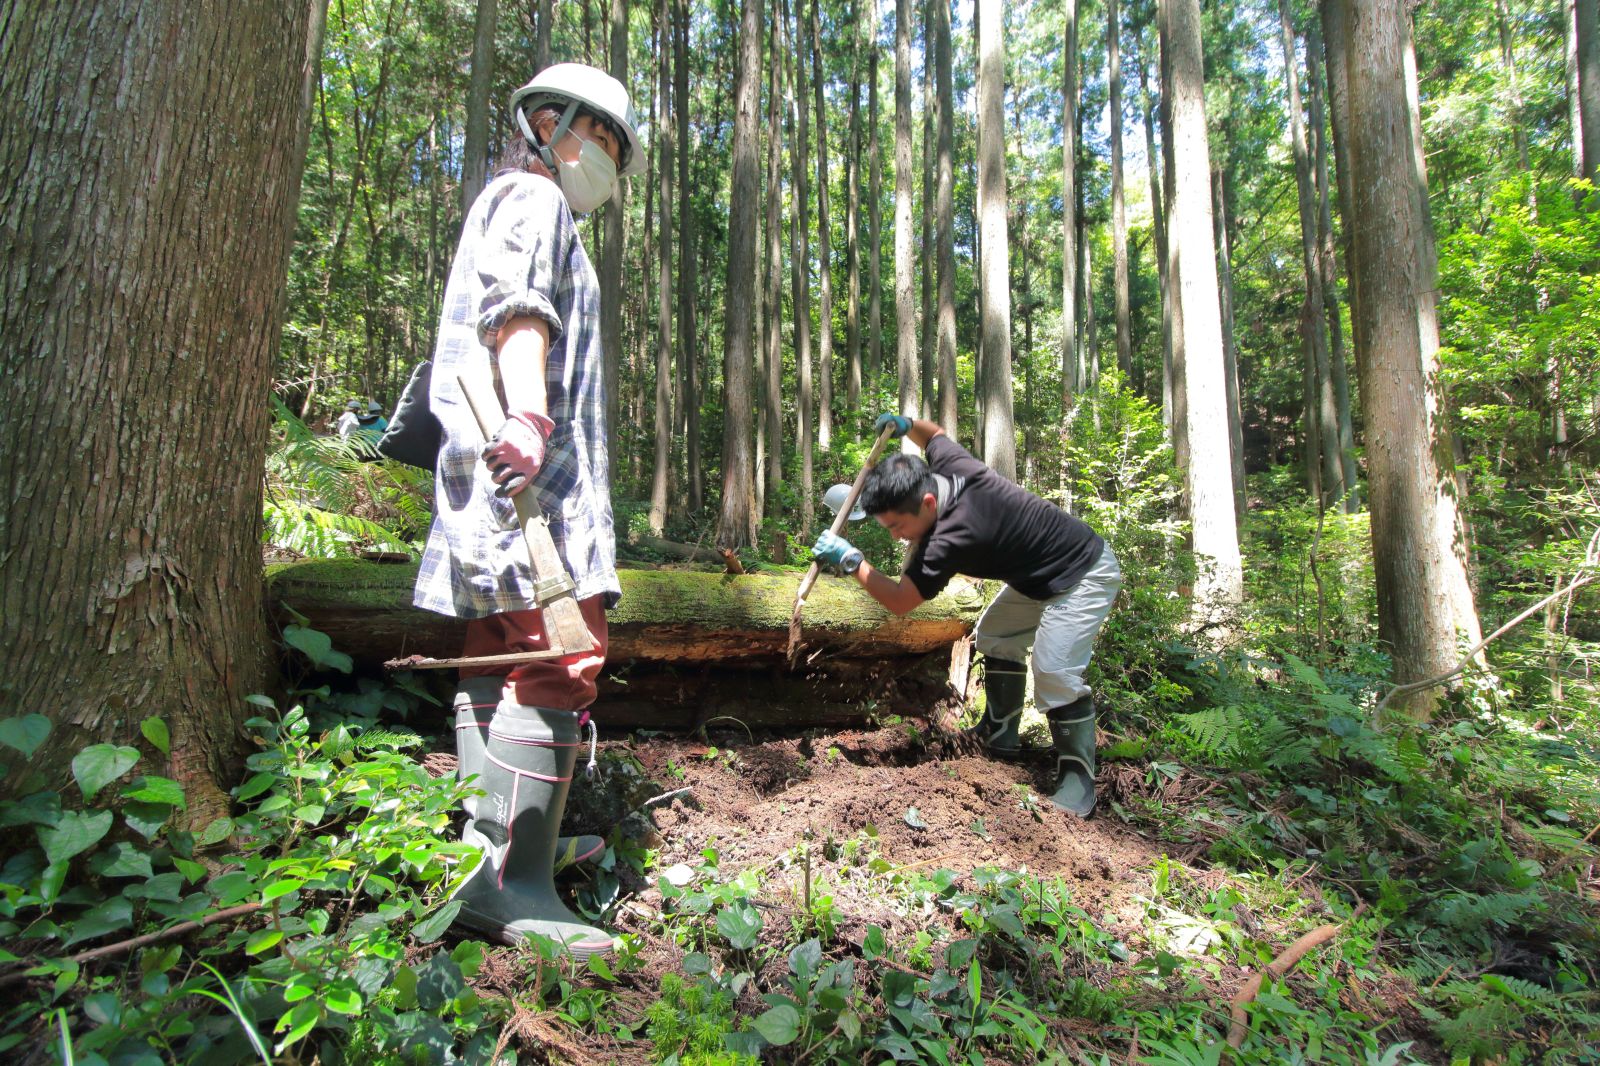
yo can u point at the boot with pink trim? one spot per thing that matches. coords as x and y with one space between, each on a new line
528 760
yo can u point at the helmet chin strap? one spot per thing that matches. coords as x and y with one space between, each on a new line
546 151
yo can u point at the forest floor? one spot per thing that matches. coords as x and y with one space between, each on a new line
835 818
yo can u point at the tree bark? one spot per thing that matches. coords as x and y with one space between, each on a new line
944 218
999 435
1176 415
1574 104
1414 569
475 153
688 349
544 17
146 244
800 270
659 482
1119 213
874 368
824 244
1586 16
1324 473
613 215
925 257
1210 489
852 229
1069 201
773 378
736 527
1329 266
907 364
1230 351
1158 219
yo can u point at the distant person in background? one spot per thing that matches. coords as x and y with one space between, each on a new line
350 421
372 419
522 310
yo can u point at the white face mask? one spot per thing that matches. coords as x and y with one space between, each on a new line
589 180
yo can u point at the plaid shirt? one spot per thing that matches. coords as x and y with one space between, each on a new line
520 255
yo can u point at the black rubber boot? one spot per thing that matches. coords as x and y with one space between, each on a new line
475 704
528 764
1005 686
1072 729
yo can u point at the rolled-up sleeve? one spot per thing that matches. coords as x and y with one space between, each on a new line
519 263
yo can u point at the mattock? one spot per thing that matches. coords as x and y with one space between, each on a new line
564 626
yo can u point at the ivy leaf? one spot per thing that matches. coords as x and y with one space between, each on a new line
76 832
110 916
151 789
121 860
98 765
318 647
156 732
779 1025
261 940
25 733
255 786
432 927
146 819
215 833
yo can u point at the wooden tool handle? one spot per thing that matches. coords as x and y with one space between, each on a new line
563 620
844 510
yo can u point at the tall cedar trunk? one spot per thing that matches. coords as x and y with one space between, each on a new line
640 307
737 525
925 246
874 369
1335 51
1574 104
1119 213
944 218
475 153
1230 351
1069 200
1158 219
130 581
1414 570
688 357
824 244
1453 532
852 228
800 269
659 482
1586 16
613 215
1323 470
1337 359
543 17
1177 418
1210 489
907 364
774 274
999 436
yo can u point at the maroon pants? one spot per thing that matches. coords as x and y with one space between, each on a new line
564 684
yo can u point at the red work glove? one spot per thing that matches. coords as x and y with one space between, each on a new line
516 452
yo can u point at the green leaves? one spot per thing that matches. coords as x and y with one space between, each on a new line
156 790
24 734
779 1025
432 927
155 731
98 765
75 833
318 647
740 925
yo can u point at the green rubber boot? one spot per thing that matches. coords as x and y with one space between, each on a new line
1005 685
1072 729
528 762
475 703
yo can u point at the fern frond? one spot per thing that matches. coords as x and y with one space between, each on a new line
1216 730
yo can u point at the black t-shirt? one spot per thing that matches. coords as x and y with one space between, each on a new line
989 527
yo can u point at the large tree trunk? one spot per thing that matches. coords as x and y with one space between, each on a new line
1337 360
874 368
999 434
852 229
1586 20
905 315
1230 351
1210 488
543 17
1119 213
925 248
944 218
773 378
688 359
1158 219
1323 470
1069 200
1415 570
659 486
824 244
475 153
612 217
141 296
800 270
1175 416
737 524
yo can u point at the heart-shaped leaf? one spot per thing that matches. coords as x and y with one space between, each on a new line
779 1025
25 733
98 765
76 832
156 732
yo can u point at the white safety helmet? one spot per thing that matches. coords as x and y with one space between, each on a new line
835 497
579 83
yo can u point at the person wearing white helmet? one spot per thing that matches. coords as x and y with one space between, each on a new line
522 310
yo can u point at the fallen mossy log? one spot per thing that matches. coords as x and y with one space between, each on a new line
685 646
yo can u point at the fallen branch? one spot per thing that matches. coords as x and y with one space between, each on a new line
122 947
1471 656
1275 970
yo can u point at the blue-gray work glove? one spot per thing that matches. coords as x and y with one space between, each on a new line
901 424
834 550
